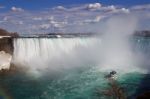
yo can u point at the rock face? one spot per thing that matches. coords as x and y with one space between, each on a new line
6 41
6 49
5 60
145 95
145 33
6 33
6 44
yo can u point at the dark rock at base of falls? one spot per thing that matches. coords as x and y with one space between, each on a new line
6 44
145 33
145 95
12 70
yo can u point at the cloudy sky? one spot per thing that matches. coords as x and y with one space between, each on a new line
46 16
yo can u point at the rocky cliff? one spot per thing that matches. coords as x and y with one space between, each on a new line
6 48
6 41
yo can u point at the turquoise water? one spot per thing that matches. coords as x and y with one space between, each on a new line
84 84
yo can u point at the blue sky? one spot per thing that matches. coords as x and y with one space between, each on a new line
49 16
40 4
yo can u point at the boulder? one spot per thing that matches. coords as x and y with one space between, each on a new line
5 60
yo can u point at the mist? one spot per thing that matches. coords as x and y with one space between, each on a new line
116 46
119 50
111 50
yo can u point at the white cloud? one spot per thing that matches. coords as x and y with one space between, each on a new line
91 7
98 18
5 18
125 10
15 9
94 6
20 22
112 7
59 8
44 26
95 20
50 18
37 18
58 24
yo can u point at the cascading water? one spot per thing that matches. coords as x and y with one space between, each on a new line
52 53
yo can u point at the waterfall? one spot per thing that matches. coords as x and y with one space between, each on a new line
64 53
55 53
